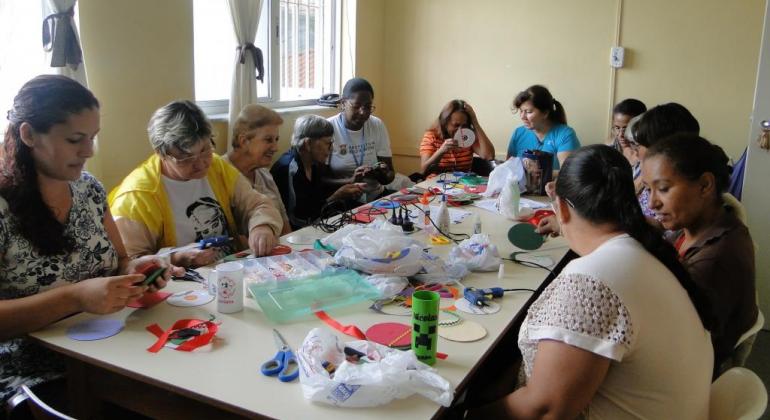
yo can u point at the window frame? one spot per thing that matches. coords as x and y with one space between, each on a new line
331 67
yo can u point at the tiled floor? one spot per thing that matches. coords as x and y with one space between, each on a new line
759 361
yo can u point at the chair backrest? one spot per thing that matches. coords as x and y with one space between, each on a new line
753 330
737 394
40 410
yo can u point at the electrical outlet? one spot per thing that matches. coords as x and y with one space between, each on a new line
616 57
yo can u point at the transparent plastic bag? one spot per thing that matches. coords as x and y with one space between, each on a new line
499 175
383 375
476 253
380 251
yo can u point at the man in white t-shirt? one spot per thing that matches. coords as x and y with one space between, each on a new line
361 151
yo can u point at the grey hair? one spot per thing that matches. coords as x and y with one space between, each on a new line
180 124
310 127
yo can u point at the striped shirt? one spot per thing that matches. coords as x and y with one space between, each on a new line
457 159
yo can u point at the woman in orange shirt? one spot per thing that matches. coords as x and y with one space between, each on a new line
441 152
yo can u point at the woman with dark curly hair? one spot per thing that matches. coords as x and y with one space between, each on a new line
60 252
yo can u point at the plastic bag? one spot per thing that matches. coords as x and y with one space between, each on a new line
334 239
499 175
383 375
388 285
476 253
508 201
436 270
380 251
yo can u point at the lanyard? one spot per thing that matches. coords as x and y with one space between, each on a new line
346 139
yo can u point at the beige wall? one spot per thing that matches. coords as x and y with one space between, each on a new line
420 54
139 56
702 53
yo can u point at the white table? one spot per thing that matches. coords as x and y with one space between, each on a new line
227 380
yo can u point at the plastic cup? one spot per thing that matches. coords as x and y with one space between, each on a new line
229 287
425 325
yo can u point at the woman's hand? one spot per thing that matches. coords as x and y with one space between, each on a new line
448 145
361 172
195 257
352 191
471 112
548 226
104 295
135 266
261 240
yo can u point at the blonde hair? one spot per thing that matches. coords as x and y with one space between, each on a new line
252 117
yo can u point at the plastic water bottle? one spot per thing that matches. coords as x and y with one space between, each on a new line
443 216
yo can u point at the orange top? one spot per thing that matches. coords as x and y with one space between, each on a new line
457 159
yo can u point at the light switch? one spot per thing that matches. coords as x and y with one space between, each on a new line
616 57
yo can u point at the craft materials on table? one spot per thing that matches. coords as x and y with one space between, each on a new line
391 334
284 363
190 298
95 329
282 267
490 204
151 272
465 306
456 215
465 331
213 242
184 335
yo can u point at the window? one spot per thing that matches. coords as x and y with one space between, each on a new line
297 39
22 56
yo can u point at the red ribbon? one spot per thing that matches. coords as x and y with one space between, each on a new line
189 345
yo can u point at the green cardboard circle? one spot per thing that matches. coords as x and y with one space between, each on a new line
523 236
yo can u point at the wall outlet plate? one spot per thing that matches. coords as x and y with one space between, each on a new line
616 57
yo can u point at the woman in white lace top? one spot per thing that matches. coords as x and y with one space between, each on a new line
621 332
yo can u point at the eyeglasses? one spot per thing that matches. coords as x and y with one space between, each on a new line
205 154
359 107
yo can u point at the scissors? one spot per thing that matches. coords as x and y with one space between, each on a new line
284 363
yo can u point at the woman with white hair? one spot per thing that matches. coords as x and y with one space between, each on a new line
297 172
255 142
184 193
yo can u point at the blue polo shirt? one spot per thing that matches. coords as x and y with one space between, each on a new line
560 138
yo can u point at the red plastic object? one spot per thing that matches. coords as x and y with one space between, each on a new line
539 215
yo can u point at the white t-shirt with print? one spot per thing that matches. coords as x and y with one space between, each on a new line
197 213
621 303
352 149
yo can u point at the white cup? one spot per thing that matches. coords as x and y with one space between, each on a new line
229 287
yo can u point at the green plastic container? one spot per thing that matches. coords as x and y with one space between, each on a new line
425 325
289 299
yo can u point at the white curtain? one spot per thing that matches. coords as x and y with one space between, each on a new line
248 58
61 40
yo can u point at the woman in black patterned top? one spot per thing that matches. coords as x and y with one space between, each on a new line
60 252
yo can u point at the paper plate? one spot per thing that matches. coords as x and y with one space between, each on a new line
391 334
190 298
95 329
523 236
464 332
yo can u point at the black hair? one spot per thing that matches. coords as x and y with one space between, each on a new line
455 105
597 182
662 121
543 100
631 107
42 102
693 156
354 85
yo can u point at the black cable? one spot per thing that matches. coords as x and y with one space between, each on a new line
451 236
529 264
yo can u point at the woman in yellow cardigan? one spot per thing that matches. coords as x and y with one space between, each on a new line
184 193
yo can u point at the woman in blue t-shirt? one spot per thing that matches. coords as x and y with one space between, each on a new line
545 126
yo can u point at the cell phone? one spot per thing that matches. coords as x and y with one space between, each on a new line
151 272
